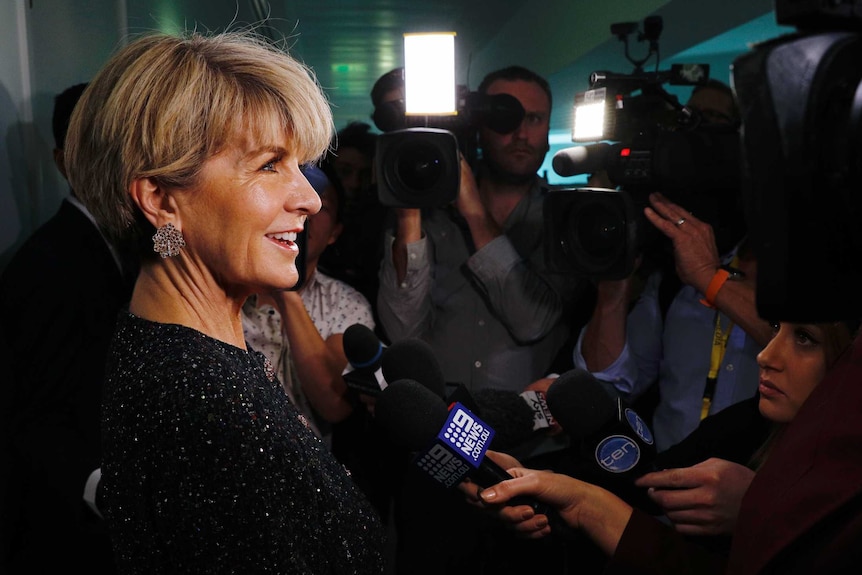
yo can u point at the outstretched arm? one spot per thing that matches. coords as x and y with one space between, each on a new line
319 362
605 334
404 296
597 512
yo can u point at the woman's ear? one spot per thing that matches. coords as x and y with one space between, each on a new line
154 202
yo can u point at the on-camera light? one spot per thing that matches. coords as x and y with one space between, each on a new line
589 116
429 74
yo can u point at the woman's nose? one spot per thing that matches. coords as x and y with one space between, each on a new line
768 356
304 199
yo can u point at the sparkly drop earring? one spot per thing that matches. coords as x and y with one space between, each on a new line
168 241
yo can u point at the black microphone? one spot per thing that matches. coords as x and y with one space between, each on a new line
510 414
363 348
365 354
414 359
585 159
459 392
610 434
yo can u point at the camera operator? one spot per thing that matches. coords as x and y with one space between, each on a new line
471 280
700 349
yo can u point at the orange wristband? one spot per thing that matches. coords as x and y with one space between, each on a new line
715 285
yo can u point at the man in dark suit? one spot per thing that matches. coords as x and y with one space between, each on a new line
59 299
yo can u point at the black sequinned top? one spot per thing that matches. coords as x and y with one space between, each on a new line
208 468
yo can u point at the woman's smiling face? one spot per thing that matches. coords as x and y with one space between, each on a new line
241 218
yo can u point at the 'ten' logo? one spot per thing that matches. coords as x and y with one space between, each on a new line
617 454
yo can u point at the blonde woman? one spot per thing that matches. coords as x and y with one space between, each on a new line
191 147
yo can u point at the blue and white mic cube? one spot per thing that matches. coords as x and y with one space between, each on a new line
458 449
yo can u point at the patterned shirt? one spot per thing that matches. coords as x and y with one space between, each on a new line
332 305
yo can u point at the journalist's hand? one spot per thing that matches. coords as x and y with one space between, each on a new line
471 490
469 202
694 248
703 499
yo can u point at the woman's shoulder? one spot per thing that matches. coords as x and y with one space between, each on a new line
147 350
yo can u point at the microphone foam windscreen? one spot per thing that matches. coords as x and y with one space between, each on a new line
508 415
580 404
362 347
580 159
414 359
411 414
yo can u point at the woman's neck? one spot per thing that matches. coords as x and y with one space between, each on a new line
164 295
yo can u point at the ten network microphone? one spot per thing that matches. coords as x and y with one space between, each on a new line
609 433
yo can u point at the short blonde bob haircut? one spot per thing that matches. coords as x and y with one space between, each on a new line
163 105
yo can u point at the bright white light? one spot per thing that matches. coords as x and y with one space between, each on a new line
589 122
429 73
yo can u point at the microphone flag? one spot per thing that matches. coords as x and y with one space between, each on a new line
458 449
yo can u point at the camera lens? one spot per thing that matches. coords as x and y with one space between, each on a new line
596 233
419 167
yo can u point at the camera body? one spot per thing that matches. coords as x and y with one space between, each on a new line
800 96
647 142
595 232
418 158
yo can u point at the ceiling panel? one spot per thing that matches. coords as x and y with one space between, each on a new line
350 43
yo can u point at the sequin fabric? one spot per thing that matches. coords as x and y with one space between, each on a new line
208 468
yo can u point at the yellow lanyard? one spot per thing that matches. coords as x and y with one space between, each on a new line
719 346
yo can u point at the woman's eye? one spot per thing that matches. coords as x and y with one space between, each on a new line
805 338
774 326
270 165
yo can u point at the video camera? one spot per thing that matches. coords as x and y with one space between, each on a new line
800 97
417 158
644 141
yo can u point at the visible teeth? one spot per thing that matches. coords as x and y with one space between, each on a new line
284 236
